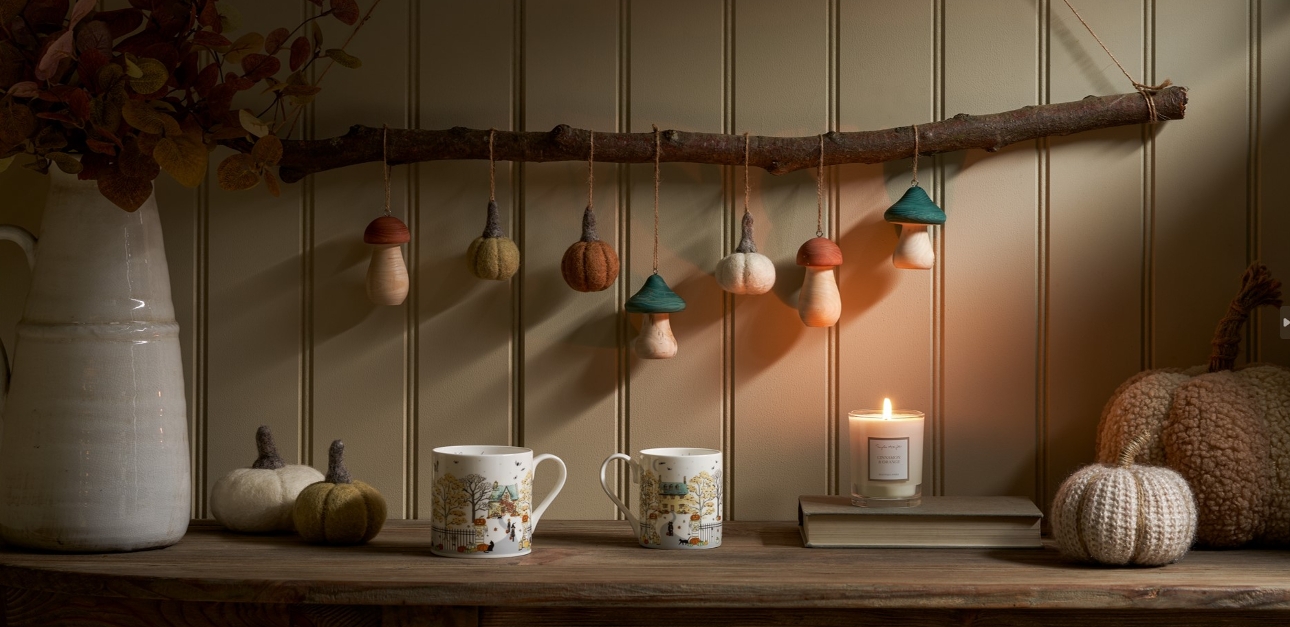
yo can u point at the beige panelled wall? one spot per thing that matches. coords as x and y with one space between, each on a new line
1067 264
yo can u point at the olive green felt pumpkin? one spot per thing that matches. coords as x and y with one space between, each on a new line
493 256
339 510
589 265
1226 430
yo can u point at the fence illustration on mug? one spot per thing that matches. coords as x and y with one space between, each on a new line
685 512
471 514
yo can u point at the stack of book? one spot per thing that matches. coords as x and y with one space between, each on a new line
940 521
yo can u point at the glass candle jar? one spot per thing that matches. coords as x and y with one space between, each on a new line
886 457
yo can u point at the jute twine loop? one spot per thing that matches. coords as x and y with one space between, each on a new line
747 182
591 170
914 182
819 193
385 163
658 148
492 167
1148 91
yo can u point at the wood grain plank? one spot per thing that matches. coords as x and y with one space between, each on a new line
676 77
464 323
1200 214
886 328
990 259
1274 159
1095 283
781 366
358 358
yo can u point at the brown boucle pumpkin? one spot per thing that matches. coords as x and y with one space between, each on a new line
1226 430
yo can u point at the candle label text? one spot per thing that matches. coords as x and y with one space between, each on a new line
889 459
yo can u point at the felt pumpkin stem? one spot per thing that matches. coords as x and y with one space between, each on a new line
269 458
336 471
746 243
493 227
1258 288
589 226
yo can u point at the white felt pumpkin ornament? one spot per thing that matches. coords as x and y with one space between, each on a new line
746 271
1125 514
259 499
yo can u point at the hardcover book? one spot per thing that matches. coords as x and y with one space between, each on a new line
940 521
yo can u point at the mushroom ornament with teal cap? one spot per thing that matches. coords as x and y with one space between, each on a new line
914 212
656 300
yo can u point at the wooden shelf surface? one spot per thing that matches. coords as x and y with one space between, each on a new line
598 564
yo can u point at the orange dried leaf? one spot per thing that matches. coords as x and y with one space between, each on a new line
267 151
126 192
182 158
237 172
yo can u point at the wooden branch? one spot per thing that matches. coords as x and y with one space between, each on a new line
777 155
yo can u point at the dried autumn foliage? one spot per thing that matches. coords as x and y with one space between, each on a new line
137 91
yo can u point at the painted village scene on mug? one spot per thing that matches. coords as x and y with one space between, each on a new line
681 511
474 514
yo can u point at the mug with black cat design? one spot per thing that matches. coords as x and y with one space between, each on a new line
680 497
482 500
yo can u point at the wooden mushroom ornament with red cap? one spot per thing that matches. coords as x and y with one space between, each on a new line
819 304
387 276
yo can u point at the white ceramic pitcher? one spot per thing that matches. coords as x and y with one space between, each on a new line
94 447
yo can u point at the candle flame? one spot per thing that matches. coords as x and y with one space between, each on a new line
886 409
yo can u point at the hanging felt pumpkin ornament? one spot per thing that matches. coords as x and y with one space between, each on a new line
914 212
746 271
493 256
339 510
590 265
819 304
1124 514
387 276
655 299
259 499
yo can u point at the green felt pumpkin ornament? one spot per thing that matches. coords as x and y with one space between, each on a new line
493 256
590 265
339 510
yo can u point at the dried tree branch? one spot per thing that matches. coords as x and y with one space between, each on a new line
777 155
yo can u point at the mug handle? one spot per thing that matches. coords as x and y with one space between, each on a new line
622 507
559 484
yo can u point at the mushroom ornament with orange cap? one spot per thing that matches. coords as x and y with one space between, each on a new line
914 212
656 300
819 304
387 277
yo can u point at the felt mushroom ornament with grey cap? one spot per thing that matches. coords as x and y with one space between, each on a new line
493 256
914 212
746 271
387 275
819 304
655 299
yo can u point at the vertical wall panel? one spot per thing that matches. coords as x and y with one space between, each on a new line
780 366
358 359
465 323
886 328
676 82
570 338
1274 161
253 303
1095 235
1200 213
990 257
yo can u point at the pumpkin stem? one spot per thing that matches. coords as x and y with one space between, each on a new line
493 228
269 458
1131 450
1257 288
589 226
336 471
746 243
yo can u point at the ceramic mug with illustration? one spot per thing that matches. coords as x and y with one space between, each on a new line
680 497
482 500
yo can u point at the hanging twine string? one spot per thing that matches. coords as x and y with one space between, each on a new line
385 164
591 170
492 167
1148 91
747 183
658 148
819 193
914 182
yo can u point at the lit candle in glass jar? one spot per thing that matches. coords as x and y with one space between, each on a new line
886 457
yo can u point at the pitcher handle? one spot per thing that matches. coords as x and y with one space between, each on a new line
564 474
622 507
23 238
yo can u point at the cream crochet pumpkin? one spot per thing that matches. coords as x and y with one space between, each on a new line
1225 430
1124 514
259 499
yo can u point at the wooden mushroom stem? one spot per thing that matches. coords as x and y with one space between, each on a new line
914 250
819 304
269 458
387 275
656 340
336 471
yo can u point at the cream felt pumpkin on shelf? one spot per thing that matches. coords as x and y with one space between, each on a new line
339 510
259 499
1124 513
